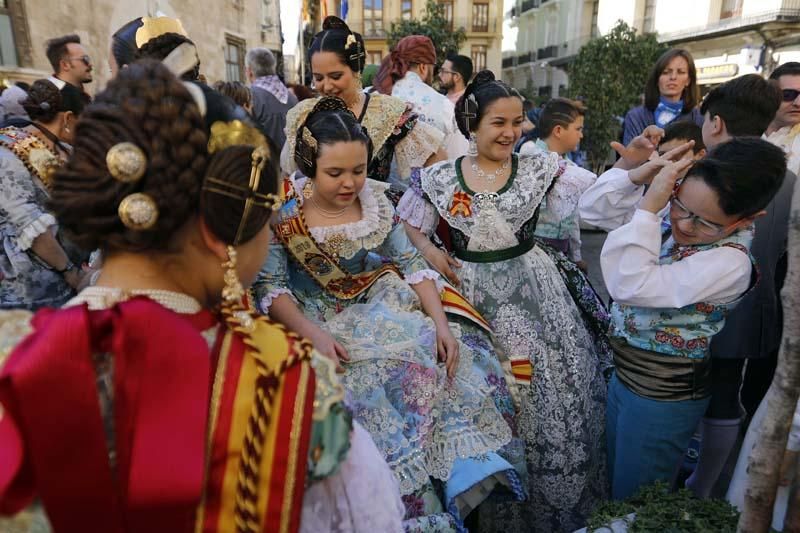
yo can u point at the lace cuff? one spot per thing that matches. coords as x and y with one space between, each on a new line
422 275
266 301
417 147
412 208
563 199
35 228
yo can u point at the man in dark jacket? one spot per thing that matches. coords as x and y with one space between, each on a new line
271 99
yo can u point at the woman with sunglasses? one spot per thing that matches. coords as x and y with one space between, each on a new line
671 299
38 267
401 142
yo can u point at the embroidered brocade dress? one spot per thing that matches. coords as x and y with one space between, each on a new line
400 140
427 426
517 286
342 465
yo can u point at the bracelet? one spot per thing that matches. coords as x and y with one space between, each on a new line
68 267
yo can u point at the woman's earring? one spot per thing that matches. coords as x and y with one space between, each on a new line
473 146
232 292
308 189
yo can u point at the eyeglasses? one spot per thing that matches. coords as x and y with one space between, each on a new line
86 59
709 229
443 71
790 95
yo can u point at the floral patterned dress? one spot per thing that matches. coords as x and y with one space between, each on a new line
27 282
517 286
427 426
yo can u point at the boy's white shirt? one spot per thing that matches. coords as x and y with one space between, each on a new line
630 255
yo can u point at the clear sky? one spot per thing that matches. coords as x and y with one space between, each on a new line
290 19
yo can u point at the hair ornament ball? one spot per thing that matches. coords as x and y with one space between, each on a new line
126 162
138 211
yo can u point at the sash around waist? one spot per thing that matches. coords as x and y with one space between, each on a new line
661 377
493 256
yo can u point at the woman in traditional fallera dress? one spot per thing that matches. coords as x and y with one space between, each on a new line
363 294
401 142
167 416
489 202
38 267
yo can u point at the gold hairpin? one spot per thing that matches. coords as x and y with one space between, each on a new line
309 139
233 133
138 211
126 162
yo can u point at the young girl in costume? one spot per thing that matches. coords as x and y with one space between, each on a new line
138 408
489 201
343 273
672 292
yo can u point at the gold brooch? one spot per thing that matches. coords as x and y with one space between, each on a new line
138 211
126 162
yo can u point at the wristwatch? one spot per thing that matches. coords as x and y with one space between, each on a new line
68 267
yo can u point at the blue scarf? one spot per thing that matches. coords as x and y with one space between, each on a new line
667 111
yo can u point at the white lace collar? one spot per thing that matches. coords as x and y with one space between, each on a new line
105 297
377 215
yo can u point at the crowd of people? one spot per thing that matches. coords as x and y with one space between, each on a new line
252 307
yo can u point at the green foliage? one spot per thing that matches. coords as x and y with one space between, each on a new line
434 25
610 73
658 509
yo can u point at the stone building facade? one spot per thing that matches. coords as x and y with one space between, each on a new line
223 31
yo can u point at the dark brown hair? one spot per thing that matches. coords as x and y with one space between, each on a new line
479 94
559 112
235 90
690 95
57 49
160 47
223 213
147 106
333 38
45 101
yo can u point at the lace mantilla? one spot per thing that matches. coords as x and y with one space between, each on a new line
368 233
381 117
517 204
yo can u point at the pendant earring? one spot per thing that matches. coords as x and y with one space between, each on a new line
233 291
473 146
308 189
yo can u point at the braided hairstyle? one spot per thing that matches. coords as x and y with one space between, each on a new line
160 47
223 213
479 94
45 101
329 122
336 37
147 106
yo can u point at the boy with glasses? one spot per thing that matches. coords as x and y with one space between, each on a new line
71 64
741 107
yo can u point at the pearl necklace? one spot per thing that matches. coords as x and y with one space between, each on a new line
325 213
491 177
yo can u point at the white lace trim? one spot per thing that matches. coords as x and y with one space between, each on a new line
377 215
562 200
517 205
38 226
266 301
422 275
412 208
416 148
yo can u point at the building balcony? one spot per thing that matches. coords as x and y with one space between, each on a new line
529 57
527 5
732 21
470 27
509 62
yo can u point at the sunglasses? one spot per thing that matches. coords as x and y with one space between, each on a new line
790 95
86 59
